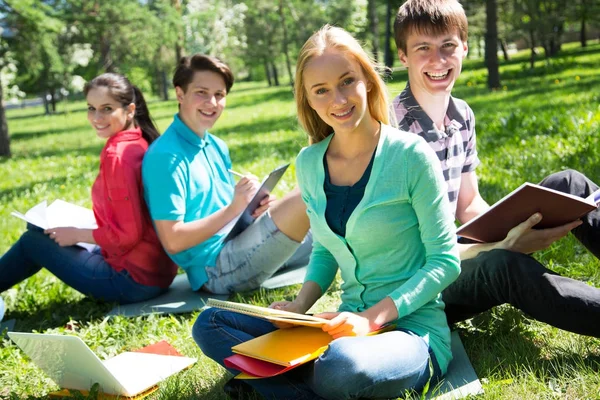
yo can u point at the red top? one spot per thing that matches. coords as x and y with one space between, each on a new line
125 232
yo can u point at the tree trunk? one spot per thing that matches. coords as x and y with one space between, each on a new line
164 85
582 36
179 41
275 75
46 104
504 48
106 62
53 100
532 46
4 138
268 72
389 54
491 44
285 44
374 26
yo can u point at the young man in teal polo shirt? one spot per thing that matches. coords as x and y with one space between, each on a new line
192 196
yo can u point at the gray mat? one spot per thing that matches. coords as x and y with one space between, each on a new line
460 380
181 299
8 325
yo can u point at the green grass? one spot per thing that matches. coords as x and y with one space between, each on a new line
541 121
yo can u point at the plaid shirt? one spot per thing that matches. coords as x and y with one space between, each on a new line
455 147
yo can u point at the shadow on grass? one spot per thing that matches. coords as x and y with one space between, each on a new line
281 93
56 314
38 133
8 194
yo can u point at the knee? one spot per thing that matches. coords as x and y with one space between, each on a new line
205 323
341 372
563 180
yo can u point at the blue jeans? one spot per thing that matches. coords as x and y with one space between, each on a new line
86 272
381 366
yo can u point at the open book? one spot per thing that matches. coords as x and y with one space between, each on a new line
557 209
268 313
69 362
60 214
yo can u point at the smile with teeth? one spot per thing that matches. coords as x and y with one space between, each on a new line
344 113
208 114
101 127
437 76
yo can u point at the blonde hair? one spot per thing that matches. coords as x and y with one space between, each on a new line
331 37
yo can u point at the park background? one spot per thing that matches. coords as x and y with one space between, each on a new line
534 89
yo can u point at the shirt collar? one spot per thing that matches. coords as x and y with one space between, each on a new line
189 135
125 136
453 121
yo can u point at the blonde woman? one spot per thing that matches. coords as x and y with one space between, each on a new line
378 211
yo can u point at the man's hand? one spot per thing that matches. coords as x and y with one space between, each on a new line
64 236
346 324
524 239
245 190
264 205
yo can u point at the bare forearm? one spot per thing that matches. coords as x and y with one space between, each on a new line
471 250
177 236
86 236
308 295
381 313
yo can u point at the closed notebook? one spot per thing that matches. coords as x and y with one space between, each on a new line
280 351
269 314
557 209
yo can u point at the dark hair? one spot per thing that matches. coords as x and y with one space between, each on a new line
433 17
125 93
188 65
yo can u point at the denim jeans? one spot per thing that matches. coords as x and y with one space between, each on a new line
253 256
501 276
85 271
381 366
1 309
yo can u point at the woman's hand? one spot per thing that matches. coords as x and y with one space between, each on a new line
346 324
286 306
67 236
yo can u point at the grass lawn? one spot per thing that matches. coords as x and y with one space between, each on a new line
541 121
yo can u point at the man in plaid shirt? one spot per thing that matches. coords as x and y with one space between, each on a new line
431 39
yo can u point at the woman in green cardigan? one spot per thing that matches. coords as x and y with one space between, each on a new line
379 213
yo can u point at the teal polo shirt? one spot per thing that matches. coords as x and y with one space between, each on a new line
185 179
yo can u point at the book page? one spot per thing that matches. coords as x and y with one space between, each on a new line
35 215
267 313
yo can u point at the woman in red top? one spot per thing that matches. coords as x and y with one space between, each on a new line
129 264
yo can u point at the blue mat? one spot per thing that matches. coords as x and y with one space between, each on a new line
180 298
460 380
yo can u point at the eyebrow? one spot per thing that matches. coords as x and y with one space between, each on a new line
102 105
446 39
321 84
207 88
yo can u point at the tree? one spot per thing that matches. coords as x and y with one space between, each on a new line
491 44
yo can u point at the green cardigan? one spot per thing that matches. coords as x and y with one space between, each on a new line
400 240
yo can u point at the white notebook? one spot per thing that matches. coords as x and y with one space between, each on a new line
59 214
69 362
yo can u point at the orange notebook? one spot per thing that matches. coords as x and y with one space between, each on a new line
280 351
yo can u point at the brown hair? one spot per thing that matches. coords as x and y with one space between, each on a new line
331 37
188 65
123 92
431 17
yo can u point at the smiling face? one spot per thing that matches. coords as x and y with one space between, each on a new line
107 116
433 62
336 88
203 101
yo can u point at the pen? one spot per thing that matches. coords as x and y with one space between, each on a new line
236 173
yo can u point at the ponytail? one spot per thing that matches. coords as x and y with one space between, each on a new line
142 117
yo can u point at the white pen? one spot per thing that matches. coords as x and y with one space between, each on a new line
236 173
